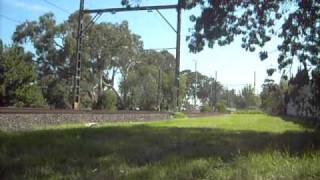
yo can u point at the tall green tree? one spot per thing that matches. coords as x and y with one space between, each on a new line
149 84
256 22
107 48
272 98
18 78
50 58
202 87
249 97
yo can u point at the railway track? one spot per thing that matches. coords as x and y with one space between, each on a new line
9 110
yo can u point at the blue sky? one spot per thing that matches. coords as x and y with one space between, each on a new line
234 65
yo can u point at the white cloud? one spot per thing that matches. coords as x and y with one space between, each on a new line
28 6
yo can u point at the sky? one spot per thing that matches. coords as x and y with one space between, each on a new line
234 66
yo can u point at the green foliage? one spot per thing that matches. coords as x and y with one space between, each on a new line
106 47
202 87
206 108
256 26
249 97
18 79
149 84
221 106
110 47
30 96
256 22
108 101
57 93
272 100
179 115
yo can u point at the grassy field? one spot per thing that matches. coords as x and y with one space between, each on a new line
235 146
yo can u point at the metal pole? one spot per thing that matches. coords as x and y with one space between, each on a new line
159 89
82 11
178 57
196 84
215 90
211 97
254 83
76 86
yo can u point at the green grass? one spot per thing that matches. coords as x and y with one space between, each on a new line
249 111
222 147
236 122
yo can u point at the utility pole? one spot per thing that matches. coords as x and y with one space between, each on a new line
159 90
254 82
215 90
178 56
76 86
81 29
211 95
196 83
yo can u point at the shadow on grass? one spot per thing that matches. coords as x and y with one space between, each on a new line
81 151
310 123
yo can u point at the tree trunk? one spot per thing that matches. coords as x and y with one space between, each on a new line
119 97
113 75
100 90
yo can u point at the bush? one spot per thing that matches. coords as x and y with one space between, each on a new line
179 115
221 107
29 96
108 101
206 108
57 94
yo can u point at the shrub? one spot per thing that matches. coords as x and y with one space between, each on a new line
107 101
57 94
206 108
179 115
29 96
221 107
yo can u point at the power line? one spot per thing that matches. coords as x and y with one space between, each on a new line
166 20
56 6
10 19
92 21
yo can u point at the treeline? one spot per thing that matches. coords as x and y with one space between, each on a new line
43 76
213 96
298 95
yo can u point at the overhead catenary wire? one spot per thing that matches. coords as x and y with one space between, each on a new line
166 20
56 6
92 21
10 19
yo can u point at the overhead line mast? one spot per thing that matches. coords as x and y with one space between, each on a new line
76 86
82 11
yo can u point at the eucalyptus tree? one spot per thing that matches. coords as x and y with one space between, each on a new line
149 84
106 49
103 39
68 31
296 24
249 97
272 100
202 87
113 48
42 35
127 57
